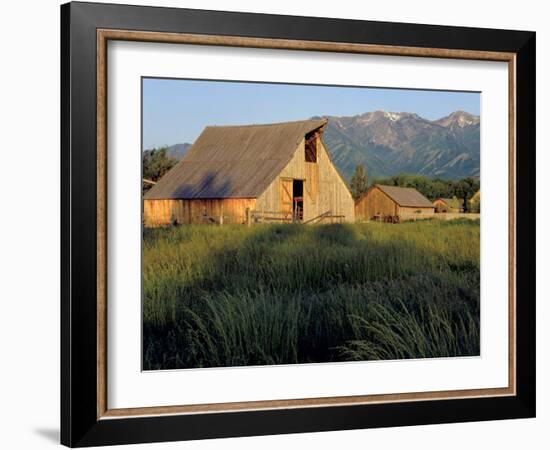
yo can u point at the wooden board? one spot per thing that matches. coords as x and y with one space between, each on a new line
166 212
285 196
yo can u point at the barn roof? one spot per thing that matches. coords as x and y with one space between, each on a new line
233 161
405 196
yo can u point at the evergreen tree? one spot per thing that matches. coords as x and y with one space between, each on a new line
359 182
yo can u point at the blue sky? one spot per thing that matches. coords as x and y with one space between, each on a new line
176 111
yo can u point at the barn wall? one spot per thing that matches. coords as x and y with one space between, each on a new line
374 202
164 212
324 189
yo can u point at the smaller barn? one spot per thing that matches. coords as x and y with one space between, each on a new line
392 204
449 205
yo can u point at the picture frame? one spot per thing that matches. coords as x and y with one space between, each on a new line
86 28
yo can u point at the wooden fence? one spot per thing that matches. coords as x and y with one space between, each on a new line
253 217
453 216
256 217
419 216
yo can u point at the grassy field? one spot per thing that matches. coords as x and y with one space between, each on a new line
283 294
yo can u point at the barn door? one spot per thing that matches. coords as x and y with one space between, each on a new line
285 196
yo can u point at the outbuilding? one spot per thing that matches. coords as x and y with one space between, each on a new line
392 203
449 205
273 172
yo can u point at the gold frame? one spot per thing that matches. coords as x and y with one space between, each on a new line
103 36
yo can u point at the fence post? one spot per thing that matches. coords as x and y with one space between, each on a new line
248 221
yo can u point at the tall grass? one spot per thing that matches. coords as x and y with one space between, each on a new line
281 294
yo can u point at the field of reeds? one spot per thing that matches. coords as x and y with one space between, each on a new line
286 294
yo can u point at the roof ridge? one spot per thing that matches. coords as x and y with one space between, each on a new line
324 121
392 186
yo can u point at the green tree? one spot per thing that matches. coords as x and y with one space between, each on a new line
465 189
155 163
359 182
433 188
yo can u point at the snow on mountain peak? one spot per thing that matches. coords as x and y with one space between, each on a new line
392 116
458 118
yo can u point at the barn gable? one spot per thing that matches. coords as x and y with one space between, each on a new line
320 186
233 161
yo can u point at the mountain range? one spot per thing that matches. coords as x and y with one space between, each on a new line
177 151
390 143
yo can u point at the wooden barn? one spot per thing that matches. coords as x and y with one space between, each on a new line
392 203
449 205
235 174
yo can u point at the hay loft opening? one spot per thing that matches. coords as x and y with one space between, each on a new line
311 146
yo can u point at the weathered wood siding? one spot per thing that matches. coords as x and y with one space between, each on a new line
375 203
165 212
324 189
285 197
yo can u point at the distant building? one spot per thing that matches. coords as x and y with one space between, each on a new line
279 171
392 203
474 204
449 205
